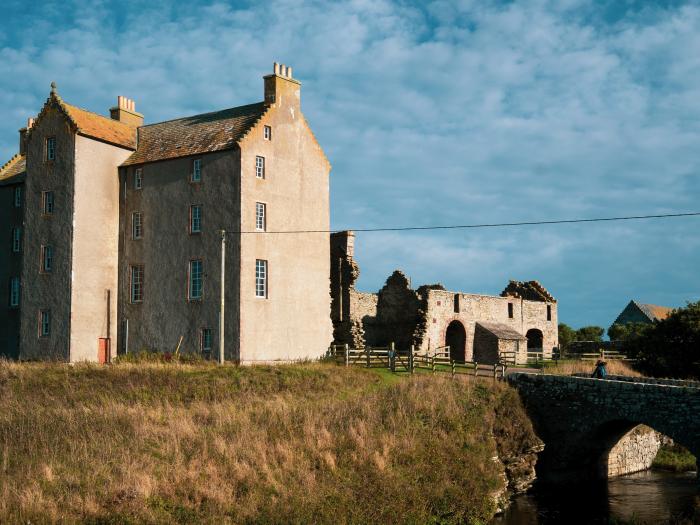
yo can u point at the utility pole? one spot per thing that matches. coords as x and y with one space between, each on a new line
223 297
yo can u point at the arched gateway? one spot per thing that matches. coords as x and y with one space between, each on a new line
456 339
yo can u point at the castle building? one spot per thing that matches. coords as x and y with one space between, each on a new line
114 232
474 327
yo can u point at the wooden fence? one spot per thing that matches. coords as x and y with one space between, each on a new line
437 360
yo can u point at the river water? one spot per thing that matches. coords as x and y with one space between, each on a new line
652 497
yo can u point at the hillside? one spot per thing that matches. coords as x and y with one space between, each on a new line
164 443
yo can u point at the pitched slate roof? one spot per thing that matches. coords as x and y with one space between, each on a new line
654 312
14 170
203 133
102 128
502 331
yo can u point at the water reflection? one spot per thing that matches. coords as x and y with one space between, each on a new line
645 497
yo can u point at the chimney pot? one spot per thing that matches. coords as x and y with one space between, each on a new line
276 69
30 123
289 71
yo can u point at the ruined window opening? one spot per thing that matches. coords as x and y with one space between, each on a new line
260 167
267 133
136 284
260 216
14 292
205 340
48 201
51 148
47 259
261 278
195 218
138 178
510 310
16 239
195 288
549 312
18 197
136 225
196 170
44 323
456 303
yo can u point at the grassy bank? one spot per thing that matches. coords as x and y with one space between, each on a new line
164 443
568 367
674 458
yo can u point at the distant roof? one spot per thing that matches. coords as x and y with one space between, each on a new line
13 171
502 331
197 134
103 128
654 312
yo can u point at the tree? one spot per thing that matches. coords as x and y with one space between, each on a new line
590 333
566 335
627 331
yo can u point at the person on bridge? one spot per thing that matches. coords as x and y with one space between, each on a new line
600 371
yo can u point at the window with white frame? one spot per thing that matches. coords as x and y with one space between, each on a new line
137 284
44 323
205 340
195 291
267 133
51 148
16 239
14 292
18 197
260 167
196 170
47 258
138 178
47 202
136 225
260 278
195 218
260 216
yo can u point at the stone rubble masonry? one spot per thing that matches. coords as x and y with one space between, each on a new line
635 452
400 314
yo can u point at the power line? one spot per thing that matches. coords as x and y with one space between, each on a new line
486 225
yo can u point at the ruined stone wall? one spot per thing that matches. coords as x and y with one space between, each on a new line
634 452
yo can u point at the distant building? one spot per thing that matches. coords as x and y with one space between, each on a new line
113 232
636 312
475 327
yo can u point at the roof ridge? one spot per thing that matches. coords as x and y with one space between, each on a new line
200 114
109 119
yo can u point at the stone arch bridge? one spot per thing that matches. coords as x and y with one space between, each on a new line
580 419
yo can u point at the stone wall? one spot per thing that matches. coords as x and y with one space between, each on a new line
485 346
634 452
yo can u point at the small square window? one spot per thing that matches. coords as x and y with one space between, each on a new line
205 340
47 201
16 239
261 278
260 167
138 178
195 289
196 170
44 323
46 259
18 197
51 148
267 133
136 225
260 216
137 284
195 218
14 292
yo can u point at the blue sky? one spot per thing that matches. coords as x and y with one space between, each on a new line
432 113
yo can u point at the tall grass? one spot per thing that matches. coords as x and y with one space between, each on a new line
157 443
568 367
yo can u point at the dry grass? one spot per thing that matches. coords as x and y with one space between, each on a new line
155 443
573 367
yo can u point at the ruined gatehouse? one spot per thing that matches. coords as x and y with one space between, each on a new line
475 327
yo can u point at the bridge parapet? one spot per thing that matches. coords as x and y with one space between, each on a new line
646 380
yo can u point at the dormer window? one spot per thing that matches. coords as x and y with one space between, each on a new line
138 178
196 170
267 133
51 148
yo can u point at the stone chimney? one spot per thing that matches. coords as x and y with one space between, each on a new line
281 89
125 111
23 136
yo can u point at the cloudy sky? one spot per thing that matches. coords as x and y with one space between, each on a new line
432 113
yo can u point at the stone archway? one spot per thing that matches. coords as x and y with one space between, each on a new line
535 340
456 339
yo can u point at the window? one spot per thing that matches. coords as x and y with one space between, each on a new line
510 310
549 312
195 293
195 218
14 292
51 148
18 197
260 167
138 178
46 259
137 284
16 239
456 305
260 222
136 225
260 278
197 170
205 340
267 133
47 200
44 323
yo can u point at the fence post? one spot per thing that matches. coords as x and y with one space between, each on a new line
368 350
392 357
495 369
453 367
347 354
476 368
410 360
432 363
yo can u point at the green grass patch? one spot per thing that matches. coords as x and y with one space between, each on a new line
674 458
